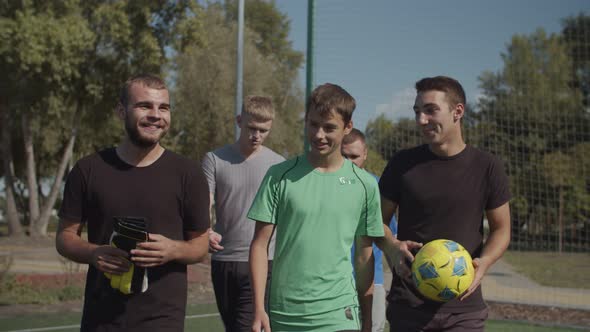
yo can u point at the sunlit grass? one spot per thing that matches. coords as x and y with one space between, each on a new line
570 270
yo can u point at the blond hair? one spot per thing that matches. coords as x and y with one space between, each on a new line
259 108
353 136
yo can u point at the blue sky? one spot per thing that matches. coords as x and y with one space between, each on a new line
378 49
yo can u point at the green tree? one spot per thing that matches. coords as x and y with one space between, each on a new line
44 46
272 27
10 206
65 62
529 114
559 173
388 137
579 194
575 34
375 163
568 173
204 96
270 31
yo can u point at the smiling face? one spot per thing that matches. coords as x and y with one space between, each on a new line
253 132
146 115
325 133
438 121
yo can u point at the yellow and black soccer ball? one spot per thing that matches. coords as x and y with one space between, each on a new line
442 270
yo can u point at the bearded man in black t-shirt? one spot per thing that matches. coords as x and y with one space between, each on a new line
146 211
441 191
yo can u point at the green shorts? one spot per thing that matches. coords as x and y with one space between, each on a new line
338 320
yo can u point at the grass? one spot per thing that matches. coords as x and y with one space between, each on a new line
508 326
205 323
569 270
13 292
213 323
19 322
550 269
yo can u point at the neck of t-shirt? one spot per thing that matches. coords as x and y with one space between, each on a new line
247 152
451 145
139 156
447 150
326 164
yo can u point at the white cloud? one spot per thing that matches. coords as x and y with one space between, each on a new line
400 106
474 100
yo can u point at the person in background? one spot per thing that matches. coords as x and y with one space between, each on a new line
354 148
234 173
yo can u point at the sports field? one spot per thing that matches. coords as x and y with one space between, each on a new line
200 317
204 317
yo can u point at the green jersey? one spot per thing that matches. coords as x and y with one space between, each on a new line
317 216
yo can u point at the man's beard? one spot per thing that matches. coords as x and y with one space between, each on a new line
138 140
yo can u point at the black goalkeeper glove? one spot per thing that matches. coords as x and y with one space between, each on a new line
127 232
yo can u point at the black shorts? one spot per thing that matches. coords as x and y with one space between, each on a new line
233 293
402 319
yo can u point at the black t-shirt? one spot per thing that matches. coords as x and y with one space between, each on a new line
173 196
442 198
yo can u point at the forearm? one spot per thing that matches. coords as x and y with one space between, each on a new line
364 264
499 238
365 293
258 273
211 211
72 246
389 244
192 251
495 245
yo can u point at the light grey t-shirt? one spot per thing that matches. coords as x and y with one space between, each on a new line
234 183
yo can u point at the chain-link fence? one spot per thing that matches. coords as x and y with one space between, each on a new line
533 112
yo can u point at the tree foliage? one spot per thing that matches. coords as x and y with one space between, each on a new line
65 62
534 115
205 102
375 163
575 35
388 137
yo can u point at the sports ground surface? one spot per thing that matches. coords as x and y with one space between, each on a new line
204 317
517 303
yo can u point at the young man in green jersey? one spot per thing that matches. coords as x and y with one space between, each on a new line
317 204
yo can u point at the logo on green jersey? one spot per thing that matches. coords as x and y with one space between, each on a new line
343 180
348 313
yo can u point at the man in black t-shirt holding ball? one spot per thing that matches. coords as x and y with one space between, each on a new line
441 191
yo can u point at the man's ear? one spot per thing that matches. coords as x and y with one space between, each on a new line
120 110
348 127
459 112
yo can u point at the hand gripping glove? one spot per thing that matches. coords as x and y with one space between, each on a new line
127 232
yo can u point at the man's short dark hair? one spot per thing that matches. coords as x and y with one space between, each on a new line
453 89
353 136
330 97
148 80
